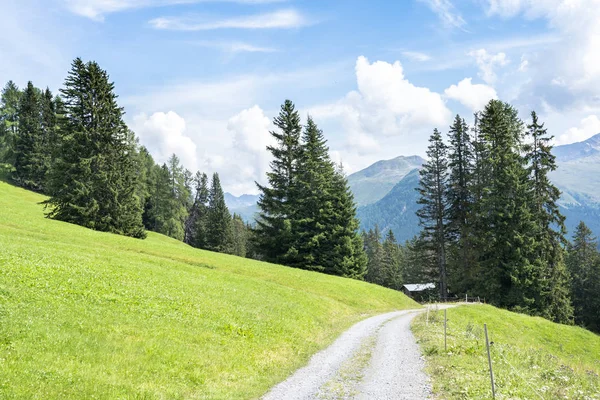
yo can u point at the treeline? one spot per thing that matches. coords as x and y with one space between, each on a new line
76 148
491 226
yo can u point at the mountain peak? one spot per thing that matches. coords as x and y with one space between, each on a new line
574 151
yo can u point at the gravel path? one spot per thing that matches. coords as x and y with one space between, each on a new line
393 368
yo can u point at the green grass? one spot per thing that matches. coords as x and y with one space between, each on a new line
85 314
532 357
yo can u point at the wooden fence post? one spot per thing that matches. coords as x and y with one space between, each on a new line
487 344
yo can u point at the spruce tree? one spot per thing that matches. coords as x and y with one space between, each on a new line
277 203
30 168
94 181
218 223
583 261
508 274
375 256
9 123
195 226
462 260
553 279
314 203
344 249
392 262
433 214
239 236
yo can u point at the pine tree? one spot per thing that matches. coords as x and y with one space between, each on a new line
179 199
508 274
93 183
315 176
9 122
583 261
553 279
218 223
434 211
462 260
196 223
375 256
344 249
30 168
274 238
392 262
239 236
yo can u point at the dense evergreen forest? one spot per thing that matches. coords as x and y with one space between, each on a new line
490 224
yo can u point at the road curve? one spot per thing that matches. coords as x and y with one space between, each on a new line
394 367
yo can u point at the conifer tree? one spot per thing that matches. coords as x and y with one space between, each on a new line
553 279
314 203
277 203
196 222
583 261
392 262
93 183
462 261
239 236
179 199
29 147
344 252
375 256
218 223
9 122
508 276
433 215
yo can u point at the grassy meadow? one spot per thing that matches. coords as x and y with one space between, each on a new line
532 357
85 314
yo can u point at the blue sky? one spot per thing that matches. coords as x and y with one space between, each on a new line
204 78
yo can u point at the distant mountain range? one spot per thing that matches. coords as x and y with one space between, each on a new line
385 191
244 205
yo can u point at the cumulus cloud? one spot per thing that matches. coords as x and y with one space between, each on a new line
487 63
574 61
385 106
588 127
250 131
164 134
280 19
473 96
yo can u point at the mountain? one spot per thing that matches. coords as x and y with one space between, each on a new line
578 178
374 182
244 205
396 210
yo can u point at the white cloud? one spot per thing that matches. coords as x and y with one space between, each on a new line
280 19
473 96
487 62
574 61
446 12
164 134
416 56
97 9
588 127
384 105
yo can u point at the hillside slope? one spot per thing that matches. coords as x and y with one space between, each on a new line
532 357
85 314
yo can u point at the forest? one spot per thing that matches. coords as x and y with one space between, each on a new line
490 224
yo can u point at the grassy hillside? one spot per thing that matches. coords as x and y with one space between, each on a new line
532 357
85 314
